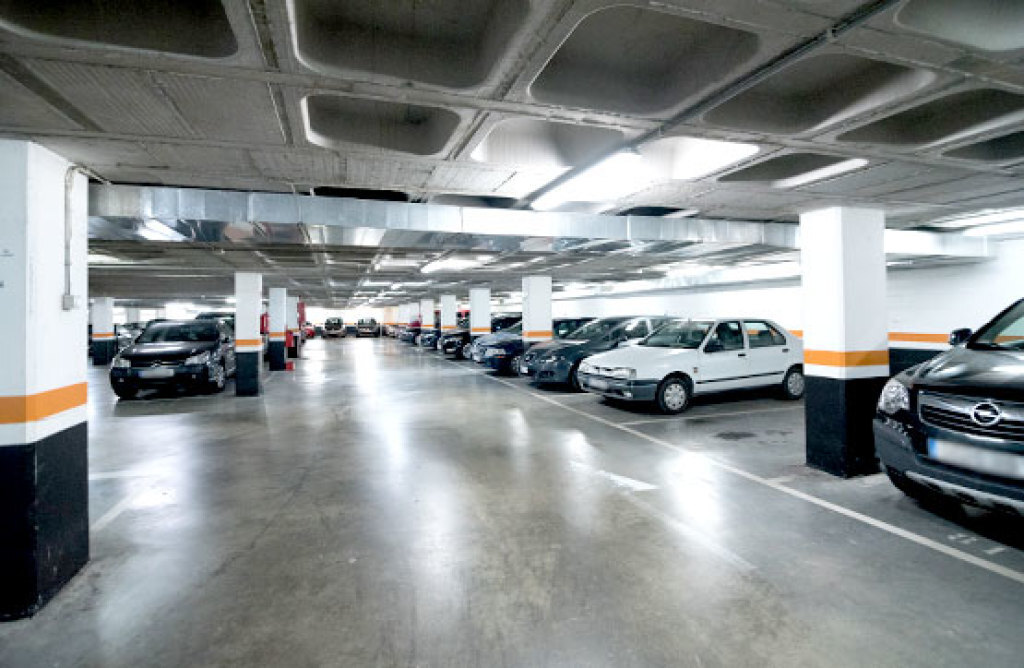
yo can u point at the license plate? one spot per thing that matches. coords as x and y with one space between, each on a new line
156 373
598 384
523 369
1004 464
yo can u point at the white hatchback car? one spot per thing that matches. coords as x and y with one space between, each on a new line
685 357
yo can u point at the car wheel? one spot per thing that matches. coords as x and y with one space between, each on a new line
673 395
123 392
218 378
793 384
574 378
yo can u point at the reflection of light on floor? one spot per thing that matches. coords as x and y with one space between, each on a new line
694 484
578 447
366 367
518 428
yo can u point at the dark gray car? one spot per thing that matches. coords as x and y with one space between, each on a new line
558 361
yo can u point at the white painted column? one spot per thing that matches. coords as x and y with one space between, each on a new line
277 310
479 311
43 365
104 343
132 315
448 313
536 308
292 325
248 342
427 314
846 341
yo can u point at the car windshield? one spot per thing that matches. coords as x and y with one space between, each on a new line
1004 333
368 323
679 334
595 330
180 331
517 329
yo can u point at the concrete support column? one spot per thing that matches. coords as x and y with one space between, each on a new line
536 308
479 311
104 343
449 310
248 342
846 347
132 315
278 307
44 501
427 314
292 322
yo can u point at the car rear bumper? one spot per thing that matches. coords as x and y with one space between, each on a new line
895 450
626 390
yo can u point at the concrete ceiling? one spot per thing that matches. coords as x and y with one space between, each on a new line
487 102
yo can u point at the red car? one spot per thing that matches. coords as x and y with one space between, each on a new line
308 331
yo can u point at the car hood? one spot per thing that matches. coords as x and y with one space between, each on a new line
981 373
639 356
491 339
169 350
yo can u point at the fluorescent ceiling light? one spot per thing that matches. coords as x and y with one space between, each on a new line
682 213
1015 227
983 217
689 158
609 180
154 230
819 174
454 264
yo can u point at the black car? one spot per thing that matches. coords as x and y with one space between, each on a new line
334 327
558 361
367 327
505 354
198 354
952 428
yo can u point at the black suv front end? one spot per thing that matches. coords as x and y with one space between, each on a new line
954 426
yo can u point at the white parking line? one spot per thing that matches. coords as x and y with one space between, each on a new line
115 512
923 541
702 416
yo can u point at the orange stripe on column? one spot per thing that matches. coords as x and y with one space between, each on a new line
538 333
248 342
32 407
847 359
277 334
914 337
482 330
102 335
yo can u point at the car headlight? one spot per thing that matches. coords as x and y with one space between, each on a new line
586 367
201 358
121 363
623 373
494 352
894 398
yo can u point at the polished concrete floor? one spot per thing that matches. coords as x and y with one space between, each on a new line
380 506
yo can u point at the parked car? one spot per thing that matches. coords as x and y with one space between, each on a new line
308 331
334 328
410 333
428 337
367 327
476 348
558 361
505 354
684 358
953 427
456 342
188 353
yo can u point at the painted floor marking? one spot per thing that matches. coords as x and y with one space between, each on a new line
702 416
115 512
923 541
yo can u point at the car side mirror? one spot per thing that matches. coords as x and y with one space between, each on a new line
959 336
713 347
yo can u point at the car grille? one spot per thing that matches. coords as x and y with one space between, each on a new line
954 412
149 364
529 357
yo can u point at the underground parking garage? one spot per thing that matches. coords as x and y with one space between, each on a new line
511 333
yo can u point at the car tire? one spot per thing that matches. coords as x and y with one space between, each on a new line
219 380
673 395
793 384
123 392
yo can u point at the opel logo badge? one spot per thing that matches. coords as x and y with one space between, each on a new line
986 414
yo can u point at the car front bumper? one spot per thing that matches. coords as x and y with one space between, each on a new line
627 390
142 377
550 371
894 445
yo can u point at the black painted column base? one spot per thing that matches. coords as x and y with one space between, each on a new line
103 351
44 519
276 353
293 350
247 374
839 431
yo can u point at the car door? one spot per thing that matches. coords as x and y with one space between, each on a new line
768 352
723 363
